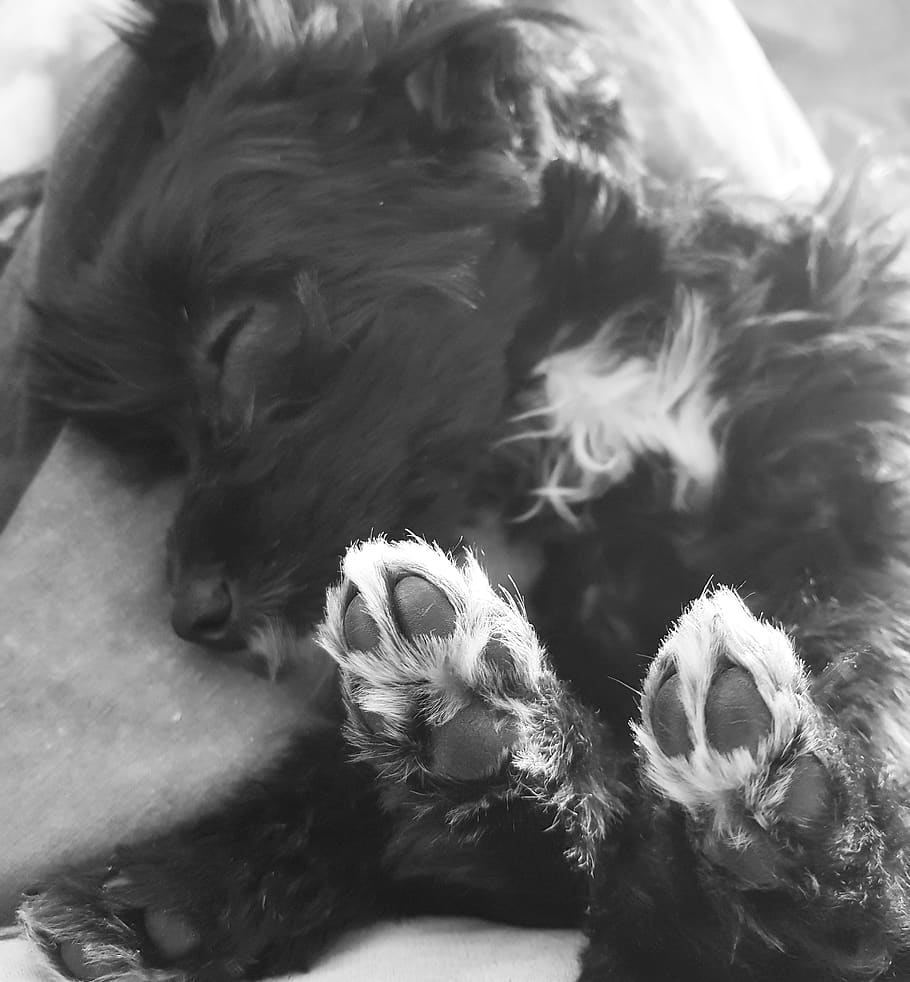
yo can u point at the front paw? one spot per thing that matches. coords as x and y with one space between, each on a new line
443 677
799 834
450 697
729 731
112 926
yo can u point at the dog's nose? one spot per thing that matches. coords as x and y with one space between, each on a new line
204 611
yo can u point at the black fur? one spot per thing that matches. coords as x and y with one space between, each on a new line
325 295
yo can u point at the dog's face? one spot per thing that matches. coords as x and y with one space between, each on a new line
310 285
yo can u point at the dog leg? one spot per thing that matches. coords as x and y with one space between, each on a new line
730 733
779 822
472 738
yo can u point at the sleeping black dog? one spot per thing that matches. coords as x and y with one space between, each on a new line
395 275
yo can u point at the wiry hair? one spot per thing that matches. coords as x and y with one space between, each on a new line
596 411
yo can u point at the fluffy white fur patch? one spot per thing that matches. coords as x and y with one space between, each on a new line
597 410
715 630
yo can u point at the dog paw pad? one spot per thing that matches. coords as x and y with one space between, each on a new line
809 803
473 744
754 858
72 957
735 713
169 934
668 719
360 630
422 608
173 936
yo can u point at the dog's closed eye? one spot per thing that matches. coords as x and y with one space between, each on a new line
260 357
225 335
239 345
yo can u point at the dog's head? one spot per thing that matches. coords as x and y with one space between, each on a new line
310 285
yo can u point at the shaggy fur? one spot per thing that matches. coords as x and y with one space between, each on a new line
399 270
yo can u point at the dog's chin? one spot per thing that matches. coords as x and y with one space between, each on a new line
275 649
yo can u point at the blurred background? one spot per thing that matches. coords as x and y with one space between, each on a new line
845 61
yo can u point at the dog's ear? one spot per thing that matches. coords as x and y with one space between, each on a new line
469 75
176 39
498 77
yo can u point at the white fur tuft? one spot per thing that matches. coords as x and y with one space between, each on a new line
598 410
